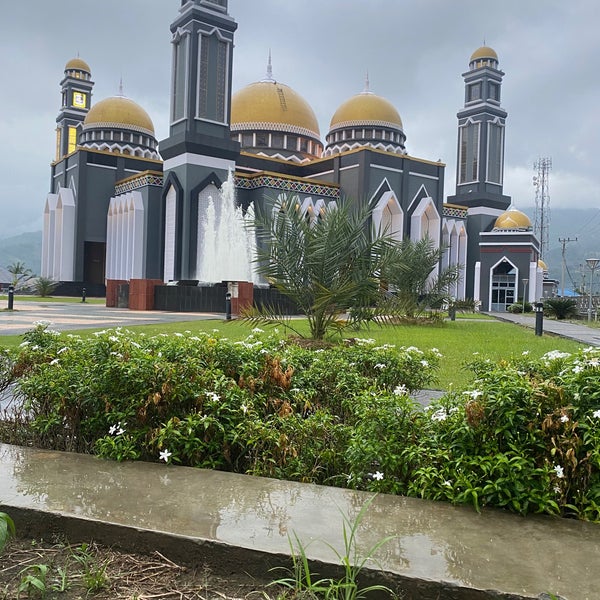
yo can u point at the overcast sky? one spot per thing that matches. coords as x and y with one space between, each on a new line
415 53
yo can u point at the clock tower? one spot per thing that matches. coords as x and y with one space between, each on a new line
76 92
199 152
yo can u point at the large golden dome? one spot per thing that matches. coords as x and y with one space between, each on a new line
512 219
270 105
119 112
483 53
77 64
366 108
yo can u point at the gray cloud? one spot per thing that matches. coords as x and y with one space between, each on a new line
414 52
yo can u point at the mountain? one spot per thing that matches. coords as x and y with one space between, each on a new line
26 248
583 224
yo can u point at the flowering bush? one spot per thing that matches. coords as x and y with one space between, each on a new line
524 436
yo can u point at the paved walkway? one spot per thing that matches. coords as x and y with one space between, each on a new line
237 523
574 331
80 315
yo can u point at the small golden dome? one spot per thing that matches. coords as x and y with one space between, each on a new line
542 265
77 64
118 111
512 219
368 109
483 53
270 105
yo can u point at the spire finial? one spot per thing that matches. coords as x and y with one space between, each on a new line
121 87
269 75
367 89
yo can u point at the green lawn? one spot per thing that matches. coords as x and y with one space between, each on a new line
457 340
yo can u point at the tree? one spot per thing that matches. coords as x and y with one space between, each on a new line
410 274
20 273
325 266
44 286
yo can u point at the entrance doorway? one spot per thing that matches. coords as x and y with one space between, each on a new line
504 279
94 254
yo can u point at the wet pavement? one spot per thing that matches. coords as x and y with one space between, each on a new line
82 315
578 332
439 549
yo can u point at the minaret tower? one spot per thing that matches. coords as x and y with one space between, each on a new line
199 151
481 123
480 154
76 88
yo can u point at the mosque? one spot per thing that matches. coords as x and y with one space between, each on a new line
125 209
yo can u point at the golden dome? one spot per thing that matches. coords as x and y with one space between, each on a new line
121 112
512 219
366 108
483 53
274 106
79 64
542 265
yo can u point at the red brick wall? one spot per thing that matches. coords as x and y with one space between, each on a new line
112 286
244 299
141 293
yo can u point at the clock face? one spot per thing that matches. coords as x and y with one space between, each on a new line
79 100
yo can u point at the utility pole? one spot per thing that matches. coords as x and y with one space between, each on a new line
564 242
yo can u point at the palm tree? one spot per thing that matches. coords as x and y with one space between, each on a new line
412 277
20 273
325 266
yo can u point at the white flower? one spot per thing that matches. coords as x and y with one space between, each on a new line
213 396
54 362
560 472
564 419
62 350
23 344
596 414
439 415
164 455
257 330
380 366
378 475
424 363
113 338
177 334
448 483
555 355
577 369
244 408
525 353
474 394
117 429
400 390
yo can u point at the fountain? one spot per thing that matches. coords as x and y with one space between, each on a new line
227 241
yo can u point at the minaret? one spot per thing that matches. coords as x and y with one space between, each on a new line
76 89
199 151
480 154
481 123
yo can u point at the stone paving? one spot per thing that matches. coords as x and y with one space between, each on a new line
80 315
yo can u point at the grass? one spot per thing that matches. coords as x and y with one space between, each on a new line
457 340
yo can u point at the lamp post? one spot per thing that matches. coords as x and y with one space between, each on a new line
525 282
592 263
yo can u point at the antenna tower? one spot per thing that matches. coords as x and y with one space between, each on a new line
541 183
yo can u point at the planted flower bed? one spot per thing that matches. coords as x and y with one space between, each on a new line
525 436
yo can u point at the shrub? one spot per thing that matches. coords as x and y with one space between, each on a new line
524 436
517 308
561 308
43 286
